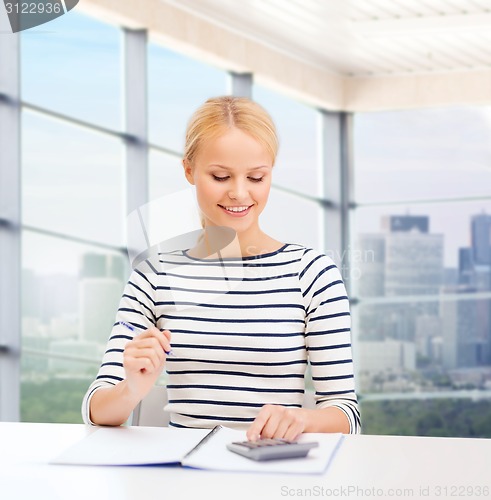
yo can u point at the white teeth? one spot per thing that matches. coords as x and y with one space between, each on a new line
235 209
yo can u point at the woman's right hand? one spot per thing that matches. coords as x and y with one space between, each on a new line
144 359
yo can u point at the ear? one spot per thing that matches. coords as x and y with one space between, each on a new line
188 171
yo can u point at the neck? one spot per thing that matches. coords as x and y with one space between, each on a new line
251 242
245 244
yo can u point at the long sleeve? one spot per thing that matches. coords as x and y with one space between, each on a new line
328 335
136 308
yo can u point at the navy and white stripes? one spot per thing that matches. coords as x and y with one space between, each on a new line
243 341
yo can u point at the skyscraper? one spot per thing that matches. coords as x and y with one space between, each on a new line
99 299
463 342
372 270
93 265
406 223
99 265
413 263
371 283
466 266
101 285
481 239
408 261
467 322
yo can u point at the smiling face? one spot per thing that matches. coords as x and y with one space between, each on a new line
232 175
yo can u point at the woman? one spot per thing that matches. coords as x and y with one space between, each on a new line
240 361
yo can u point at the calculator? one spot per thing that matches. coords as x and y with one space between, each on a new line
271 449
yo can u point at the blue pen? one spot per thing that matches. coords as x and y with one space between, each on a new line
133 329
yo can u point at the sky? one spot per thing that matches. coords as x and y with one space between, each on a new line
73 178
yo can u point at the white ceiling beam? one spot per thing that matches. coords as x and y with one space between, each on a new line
419 91
230 50
430 25
308 82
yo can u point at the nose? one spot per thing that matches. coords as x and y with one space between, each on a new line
238 190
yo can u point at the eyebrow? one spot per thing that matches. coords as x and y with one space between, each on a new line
227 168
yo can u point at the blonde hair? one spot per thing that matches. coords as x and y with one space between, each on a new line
219 114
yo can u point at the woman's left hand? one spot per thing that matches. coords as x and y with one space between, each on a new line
275 421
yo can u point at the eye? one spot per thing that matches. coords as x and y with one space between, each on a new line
256 179
220 179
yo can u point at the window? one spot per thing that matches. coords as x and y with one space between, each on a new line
297 165
73 210
72 180
177 85
70 294
430 154
166 174
74 69
292 215
292 219
422 238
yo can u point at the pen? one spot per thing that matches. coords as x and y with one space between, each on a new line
133 329
203 441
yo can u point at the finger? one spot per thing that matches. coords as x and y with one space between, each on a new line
282 427
148 332
166 340
297 426
294 432
148 343
166 333
157 358
163 337
146 353
135 365
254 431
271 427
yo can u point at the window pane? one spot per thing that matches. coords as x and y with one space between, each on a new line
435 347
297 166
421 249
177 86
49 394
292 220
61 281
74 69
70 295
423 271
72 180
422 154
452 417
166 174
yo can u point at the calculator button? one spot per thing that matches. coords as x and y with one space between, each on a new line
245 444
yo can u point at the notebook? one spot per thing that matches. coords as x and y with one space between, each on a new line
196 448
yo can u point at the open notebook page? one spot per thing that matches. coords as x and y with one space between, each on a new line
132 446
214 455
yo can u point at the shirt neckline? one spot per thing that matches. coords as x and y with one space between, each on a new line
249 257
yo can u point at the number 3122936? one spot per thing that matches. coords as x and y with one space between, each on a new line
33 8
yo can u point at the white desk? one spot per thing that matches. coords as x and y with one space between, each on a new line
368 462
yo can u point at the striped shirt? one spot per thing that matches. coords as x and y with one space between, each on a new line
243 331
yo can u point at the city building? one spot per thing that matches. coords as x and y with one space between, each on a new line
405 223
389 354
408 262
99 299
481 239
